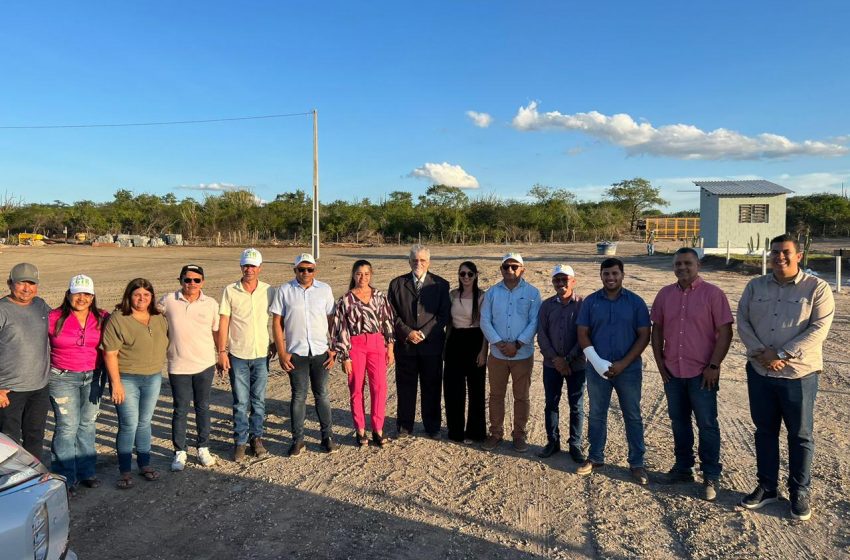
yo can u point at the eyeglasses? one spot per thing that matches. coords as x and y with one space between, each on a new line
191 280
465 274
305 269
513 267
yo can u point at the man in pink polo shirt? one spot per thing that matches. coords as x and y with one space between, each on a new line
691 333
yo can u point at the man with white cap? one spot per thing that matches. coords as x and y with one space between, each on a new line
563 360
302 314
509 322
24 360
244 348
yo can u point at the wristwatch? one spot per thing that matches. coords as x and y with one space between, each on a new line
713 366
782 355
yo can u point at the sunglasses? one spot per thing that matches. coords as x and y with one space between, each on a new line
307 270
192 280
465 274
81 340
513 267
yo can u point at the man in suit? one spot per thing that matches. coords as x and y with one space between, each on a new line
421 305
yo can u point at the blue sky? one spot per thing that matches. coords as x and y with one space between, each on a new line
490 96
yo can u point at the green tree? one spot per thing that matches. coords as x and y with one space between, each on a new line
634 196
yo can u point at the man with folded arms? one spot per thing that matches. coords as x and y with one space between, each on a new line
691 333
783 319
509 322
613 330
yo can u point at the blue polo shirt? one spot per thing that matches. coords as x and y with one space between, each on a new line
614 323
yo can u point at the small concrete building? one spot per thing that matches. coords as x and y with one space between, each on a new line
737 211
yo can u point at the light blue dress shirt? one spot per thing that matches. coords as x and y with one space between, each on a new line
511 315
305 316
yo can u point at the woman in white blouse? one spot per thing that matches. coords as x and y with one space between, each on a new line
466 358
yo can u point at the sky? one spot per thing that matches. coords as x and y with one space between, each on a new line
489 96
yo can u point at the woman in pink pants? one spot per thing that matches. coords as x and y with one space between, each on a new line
363 339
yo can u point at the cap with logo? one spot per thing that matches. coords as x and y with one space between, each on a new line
81 284
563 269
304 258
24 272
512 257
251 257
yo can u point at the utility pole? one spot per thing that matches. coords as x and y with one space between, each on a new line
315 184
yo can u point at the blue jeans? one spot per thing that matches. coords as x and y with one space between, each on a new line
75 396
553 385
141 393
309 370
686 397
772 402
248 379
628 387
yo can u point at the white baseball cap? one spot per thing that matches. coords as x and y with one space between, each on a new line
513 257
563 269
81 284
251 257
304 258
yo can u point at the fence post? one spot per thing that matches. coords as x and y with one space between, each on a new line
838 273
763 262
728 253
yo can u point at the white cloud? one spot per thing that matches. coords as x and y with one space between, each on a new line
445 174
214 187
481 120
681 141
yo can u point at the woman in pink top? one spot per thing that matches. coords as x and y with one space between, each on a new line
76 382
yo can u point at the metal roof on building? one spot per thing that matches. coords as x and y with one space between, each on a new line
742 188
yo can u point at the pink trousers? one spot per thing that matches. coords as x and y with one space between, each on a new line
368 357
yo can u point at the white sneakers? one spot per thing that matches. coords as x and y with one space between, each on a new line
179 462
205 457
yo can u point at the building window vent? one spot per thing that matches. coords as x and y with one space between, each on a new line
753 213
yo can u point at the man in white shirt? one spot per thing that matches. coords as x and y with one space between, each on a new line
302 314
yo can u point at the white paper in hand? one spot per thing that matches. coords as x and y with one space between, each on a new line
601 366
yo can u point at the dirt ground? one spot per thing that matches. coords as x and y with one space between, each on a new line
435 499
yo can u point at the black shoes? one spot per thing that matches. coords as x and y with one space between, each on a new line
551 448
379 439
577 455
403 433
328 446
759 498
801 510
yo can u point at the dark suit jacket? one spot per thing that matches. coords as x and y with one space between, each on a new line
429 313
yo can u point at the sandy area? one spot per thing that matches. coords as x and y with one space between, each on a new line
435 499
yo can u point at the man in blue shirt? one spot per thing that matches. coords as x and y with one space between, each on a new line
509 322
613 330
302 312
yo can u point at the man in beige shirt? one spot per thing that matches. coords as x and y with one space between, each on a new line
244 347
783 319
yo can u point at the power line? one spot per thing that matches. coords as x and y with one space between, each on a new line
160 123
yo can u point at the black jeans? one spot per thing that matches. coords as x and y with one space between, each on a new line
774 401
310 371
184 390
24 419
427 370
462 376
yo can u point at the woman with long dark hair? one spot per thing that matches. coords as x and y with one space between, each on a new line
134 342
76 382
363 338
466 358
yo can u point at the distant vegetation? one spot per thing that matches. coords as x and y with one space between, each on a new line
443 214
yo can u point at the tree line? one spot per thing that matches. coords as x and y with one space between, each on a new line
443 214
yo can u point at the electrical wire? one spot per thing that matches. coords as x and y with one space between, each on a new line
160 123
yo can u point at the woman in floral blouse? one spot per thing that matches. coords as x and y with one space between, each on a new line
363 339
